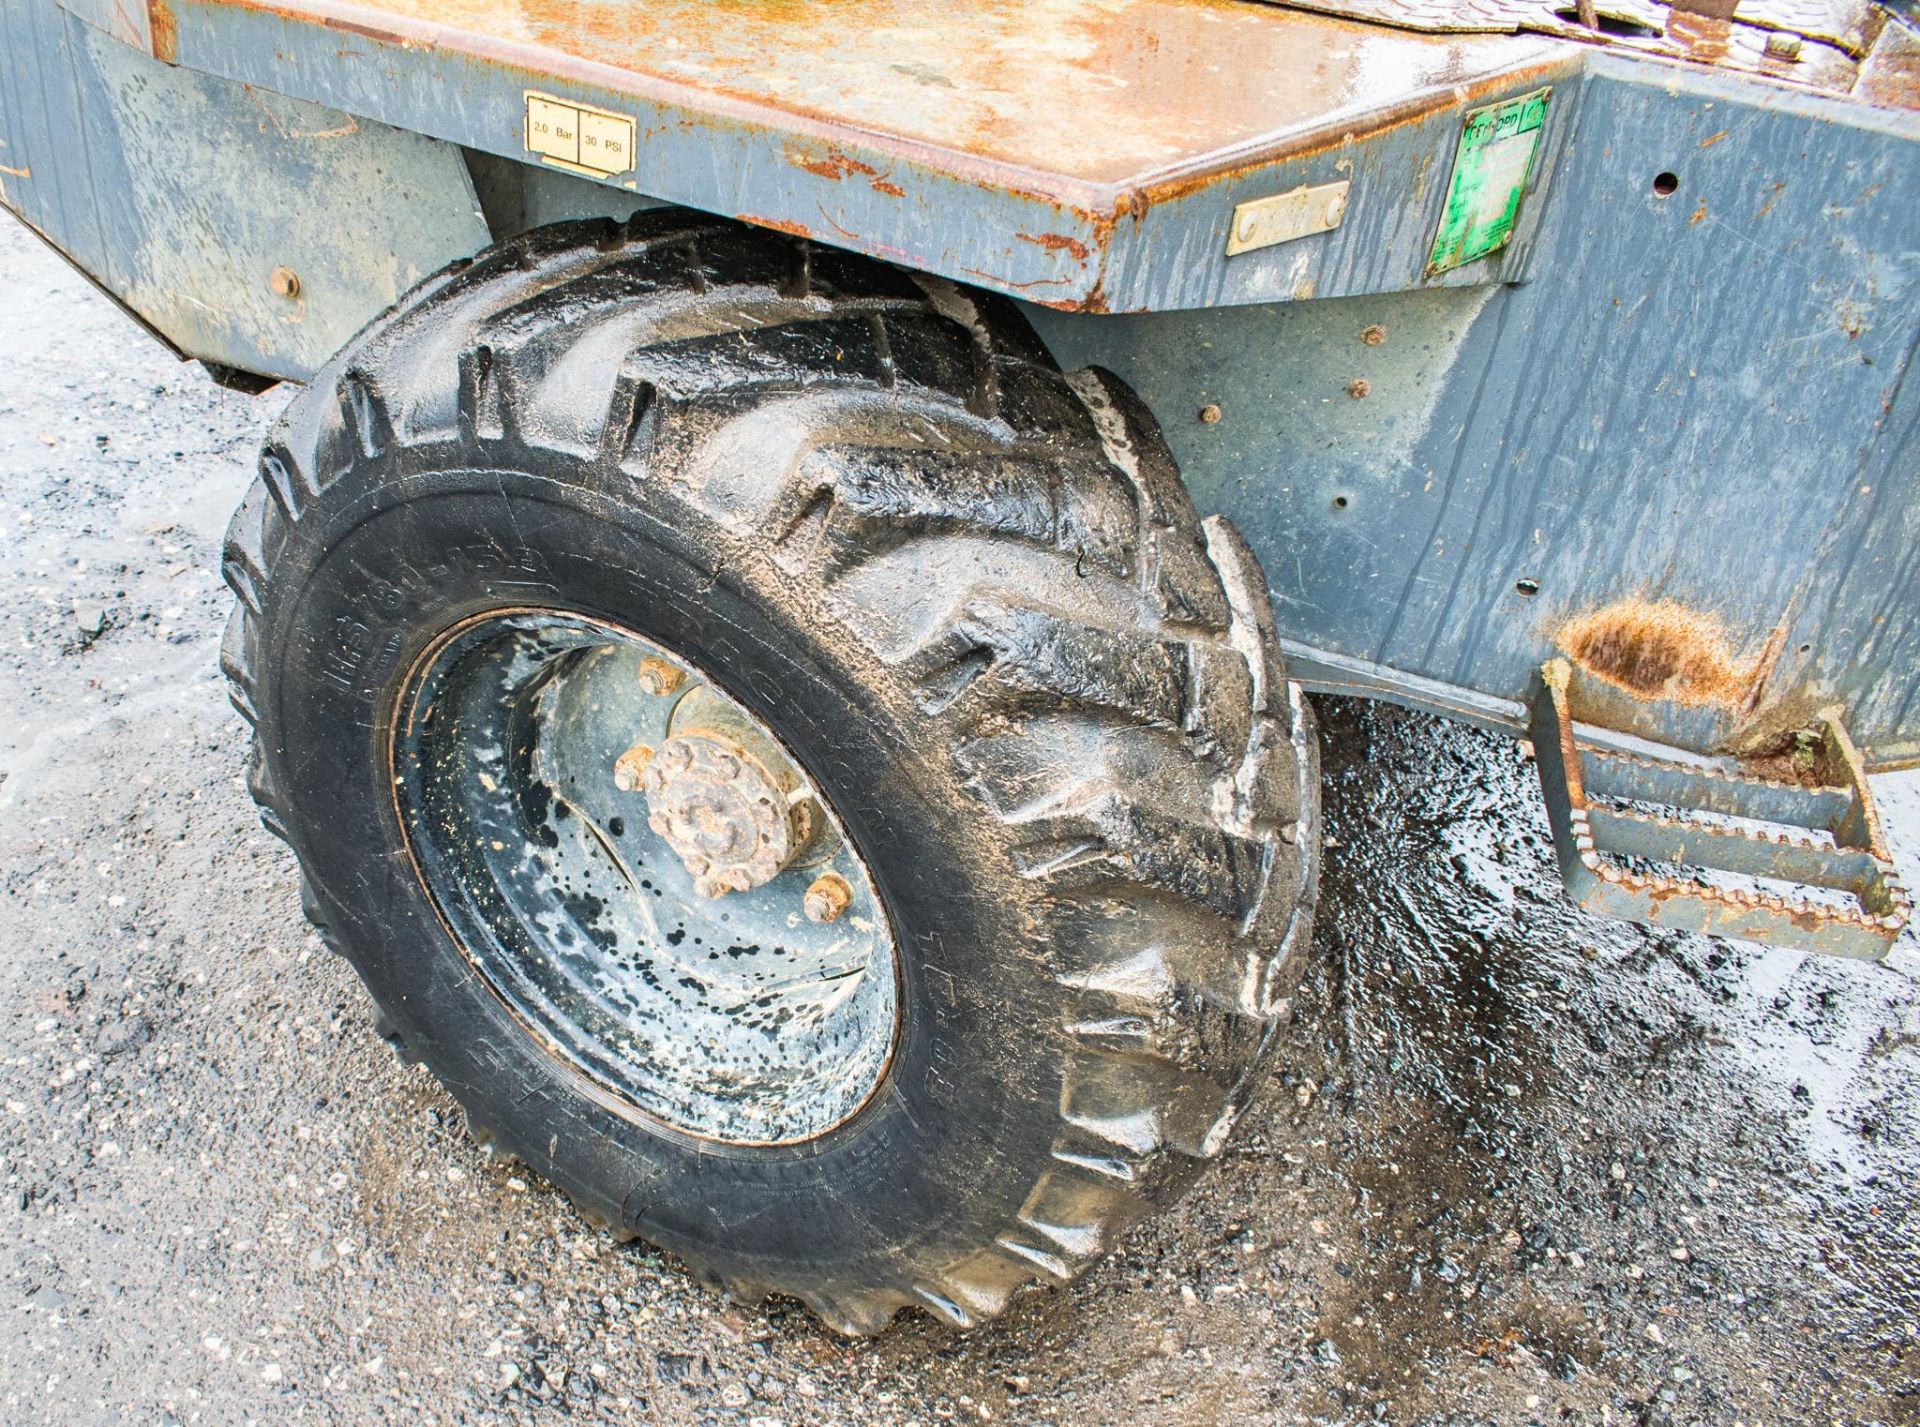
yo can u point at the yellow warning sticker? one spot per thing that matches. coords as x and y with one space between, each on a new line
579 137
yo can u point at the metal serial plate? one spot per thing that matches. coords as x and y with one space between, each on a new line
1491 170
579 137
1262 222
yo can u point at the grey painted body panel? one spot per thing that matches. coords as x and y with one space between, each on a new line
182 194
1702 398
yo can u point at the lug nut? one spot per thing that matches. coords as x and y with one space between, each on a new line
630 767
659 678
827 898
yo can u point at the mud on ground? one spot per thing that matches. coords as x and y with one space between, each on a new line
1518 1165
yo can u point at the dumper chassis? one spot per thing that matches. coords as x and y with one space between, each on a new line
778 626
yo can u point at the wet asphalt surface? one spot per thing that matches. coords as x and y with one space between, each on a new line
1517 1165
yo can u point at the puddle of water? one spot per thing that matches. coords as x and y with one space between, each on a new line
1898 795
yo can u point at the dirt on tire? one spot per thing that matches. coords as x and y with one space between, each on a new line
1050 701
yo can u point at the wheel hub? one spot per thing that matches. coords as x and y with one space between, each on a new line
647 877
723 812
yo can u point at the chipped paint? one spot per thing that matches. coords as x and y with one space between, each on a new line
164 30
835 165
779 225
1058 242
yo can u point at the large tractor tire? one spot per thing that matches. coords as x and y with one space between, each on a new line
790 761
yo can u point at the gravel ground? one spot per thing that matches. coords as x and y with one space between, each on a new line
1518 1165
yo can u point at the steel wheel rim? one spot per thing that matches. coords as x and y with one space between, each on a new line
735 1018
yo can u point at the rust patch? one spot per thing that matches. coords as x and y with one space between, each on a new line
1411 112
835 165
368 32
1056 242
1891 75
1094 301
164 29
779 225
892 190
1713 139
1660 649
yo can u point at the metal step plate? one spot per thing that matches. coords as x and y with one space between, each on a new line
1692 846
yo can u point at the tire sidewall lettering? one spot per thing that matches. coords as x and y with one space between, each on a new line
962 1087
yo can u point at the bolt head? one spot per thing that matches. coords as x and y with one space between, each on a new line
283 282
659 678
826 898
630 768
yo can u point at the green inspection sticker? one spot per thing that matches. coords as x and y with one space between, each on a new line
1491 170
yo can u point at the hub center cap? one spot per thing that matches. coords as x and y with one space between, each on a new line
723 812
